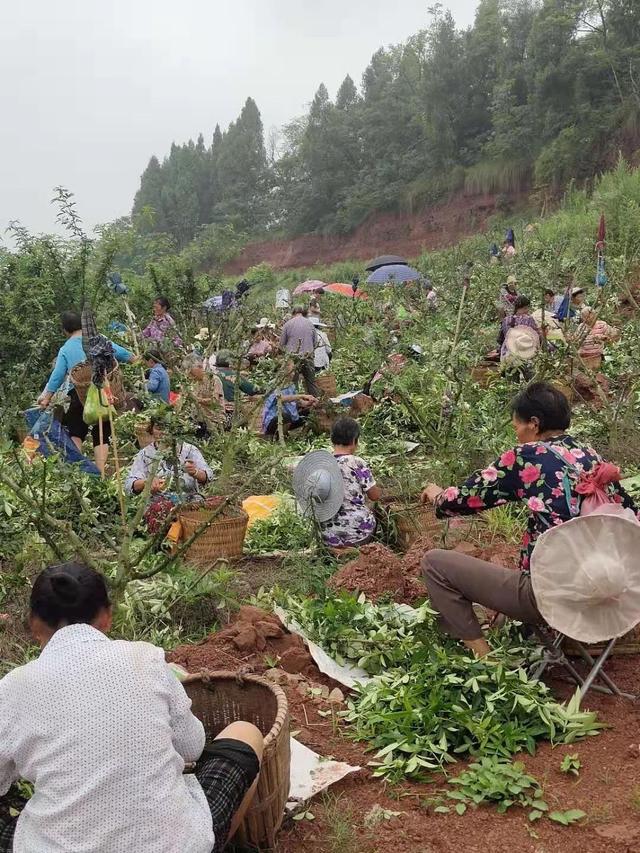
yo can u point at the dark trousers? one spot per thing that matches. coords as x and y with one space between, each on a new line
456 581
307 371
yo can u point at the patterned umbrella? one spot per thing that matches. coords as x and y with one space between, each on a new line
384 261
394 273
309 287
345 290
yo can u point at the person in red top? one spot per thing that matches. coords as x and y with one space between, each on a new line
541 471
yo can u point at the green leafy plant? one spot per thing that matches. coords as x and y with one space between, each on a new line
568 817
498 782
571 764
283 530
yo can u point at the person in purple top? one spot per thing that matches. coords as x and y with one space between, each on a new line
521 317
162 324
354 524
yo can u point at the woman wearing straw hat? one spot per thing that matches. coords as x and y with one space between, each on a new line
548 471
334 489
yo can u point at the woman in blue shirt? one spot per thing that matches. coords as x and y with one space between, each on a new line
69 355
158 381
292 403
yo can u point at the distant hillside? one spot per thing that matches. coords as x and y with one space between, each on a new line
537 93
436 227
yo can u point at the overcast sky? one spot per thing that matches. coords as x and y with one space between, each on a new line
89 89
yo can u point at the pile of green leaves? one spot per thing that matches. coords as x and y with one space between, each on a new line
503 784
446 705
284 530
430 702
375 637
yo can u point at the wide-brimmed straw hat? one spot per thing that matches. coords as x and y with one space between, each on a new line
264 323
318 485
585 575
522 342
512 279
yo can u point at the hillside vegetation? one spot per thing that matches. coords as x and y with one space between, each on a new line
535 94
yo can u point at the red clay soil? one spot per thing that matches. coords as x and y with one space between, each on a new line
379 572
607 789
252 641
403 233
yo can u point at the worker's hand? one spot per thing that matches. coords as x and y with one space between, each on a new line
44 399
431 493
309 399
135 359
190 467
157 485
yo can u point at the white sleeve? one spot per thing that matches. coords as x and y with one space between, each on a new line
138 471
188 731
196 456
8 773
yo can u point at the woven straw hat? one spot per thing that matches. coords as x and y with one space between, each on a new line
585 575
318 485
522 342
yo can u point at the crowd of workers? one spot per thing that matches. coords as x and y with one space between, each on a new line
103 727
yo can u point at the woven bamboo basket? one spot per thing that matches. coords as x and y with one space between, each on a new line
221 698
327 384
322 421
592 362
223 538
81 377
482 374
566 389
412 522
143 435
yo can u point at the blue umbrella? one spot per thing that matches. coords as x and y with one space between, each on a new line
394 273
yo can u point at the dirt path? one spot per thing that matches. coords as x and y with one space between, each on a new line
404 233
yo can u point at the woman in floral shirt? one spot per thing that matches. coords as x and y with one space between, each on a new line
542 471
354 523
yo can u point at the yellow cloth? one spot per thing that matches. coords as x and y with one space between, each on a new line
260 506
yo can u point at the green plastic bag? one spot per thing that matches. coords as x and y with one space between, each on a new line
96 407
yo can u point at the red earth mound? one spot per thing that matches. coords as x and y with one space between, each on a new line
254 640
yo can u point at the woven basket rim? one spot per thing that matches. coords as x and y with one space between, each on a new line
192 515
282 705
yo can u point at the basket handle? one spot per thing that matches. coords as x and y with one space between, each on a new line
241 672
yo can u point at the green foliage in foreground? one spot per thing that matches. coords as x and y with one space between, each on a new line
283 530
429 702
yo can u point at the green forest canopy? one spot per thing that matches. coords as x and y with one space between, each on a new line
536 91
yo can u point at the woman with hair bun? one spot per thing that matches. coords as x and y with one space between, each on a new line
104 729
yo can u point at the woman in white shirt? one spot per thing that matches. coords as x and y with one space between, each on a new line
104 729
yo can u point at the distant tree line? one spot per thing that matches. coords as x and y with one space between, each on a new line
536 92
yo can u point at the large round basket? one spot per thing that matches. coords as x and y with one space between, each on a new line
81 377
566 389
412 522
592 362
224 537
327 384
221 698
